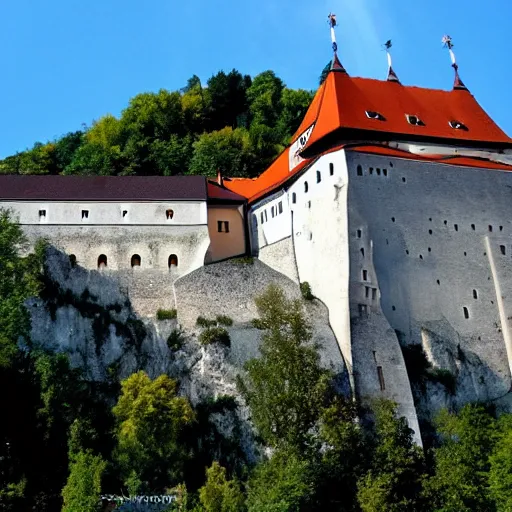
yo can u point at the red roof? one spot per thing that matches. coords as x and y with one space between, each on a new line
345 101
340 106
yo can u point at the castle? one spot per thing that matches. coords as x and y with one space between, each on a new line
392 202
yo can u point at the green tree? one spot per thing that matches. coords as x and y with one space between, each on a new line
225 150
220 494
283 483
150 419
65 149
172 157
286 389
462 461
83 489
500 471
264 96
394 481
294 105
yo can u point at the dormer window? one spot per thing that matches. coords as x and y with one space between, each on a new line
457 125
414 120
371 114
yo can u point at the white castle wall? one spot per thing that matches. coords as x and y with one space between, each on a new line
438 245
109 213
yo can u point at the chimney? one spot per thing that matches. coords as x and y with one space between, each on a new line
219 178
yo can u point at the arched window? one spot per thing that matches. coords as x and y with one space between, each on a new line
318 177
294 197
102 261
305 186
72 260
169 214
135 260
173 260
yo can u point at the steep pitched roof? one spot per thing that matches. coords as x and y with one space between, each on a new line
339 112
345 101
102 188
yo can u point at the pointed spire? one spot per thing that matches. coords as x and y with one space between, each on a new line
335 64
392 76
458 84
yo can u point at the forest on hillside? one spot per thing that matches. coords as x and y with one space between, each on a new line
66 442
235 123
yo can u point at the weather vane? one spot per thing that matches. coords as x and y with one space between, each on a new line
333 23
448 43
392 77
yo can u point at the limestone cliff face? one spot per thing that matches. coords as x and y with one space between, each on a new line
91 316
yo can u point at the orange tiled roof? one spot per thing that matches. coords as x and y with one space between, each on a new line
341 103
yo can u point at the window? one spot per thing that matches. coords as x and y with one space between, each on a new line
173 260
365 275
262 218
490 228
371 114
380 374
42 214
503 250
378 171
362 252
272 211
359 233
363 309
280 207
366 291
306 187
466 312
318 177
102 261
371 170
331 169
374 293
294 198
72 260
85 214
223 226
135 262
473 227
475 294
169 214
359 170
385 172
125 213
414 120
456 226
457 125
266 218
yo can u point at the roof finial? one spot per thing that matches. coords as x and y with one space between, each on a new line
448 43
336 64
392 76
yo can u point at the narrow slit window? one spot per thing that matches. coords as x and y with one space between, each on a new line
85 214
503 250
456 227
473 227
262 218
294 197
318 176
374 293
367 291
359 233
385 172
223 226
266 218
173 260
490 228
466 312
380 374
371 170
72 260
378 171
331 169
365 275
362 252
306 187
273 211
359 170
280 207
475 294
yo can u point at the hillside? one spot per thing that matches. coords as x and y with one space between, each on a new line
234 123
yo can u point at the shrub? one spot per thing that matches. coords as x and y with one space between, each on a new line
305 289
166 314
205 322
243 260
224 320
215 335
175 340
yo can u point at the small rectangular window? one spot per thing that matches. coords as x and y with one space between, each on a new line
365 275
374 293
363 309
380 374
280 206
42 214
223 226
125 213
367 292
262 217
503 250
85 214
359 233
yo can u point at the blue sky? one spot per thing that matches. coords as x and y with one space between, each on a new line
65 63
